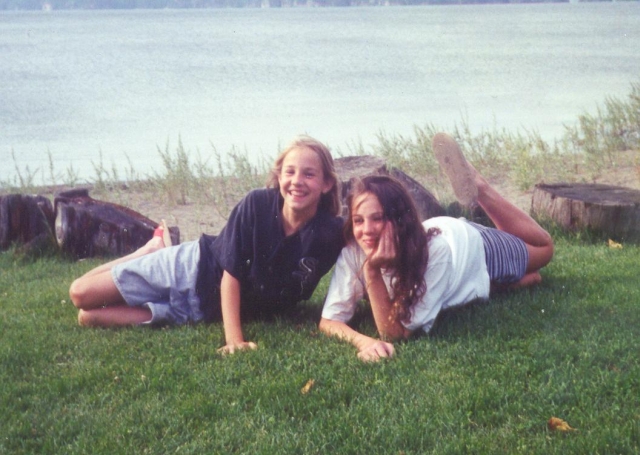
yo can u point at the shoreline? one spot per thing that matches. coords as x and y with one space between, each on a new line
197 217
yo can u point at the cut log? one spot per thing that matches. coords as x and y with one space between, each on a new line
612 210
25 218
87 227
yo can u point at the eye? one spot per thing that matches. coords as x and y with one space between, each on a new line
357 221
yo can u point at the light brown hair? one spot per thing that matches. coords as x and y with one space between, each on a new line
329 201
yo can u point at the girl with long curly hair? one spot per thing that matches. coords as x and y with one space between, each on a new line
410 271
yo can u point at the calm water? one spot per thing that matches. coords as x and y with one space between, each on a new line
77 84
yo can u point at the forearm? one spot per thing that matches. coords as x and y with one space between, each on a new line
382 307
343 331
369 349
230 305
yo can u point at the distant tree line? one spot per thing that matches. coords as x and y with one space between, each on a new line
160 4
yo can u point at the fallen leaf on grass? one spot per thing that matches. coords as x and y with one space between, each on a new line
556 424
615 245
307 386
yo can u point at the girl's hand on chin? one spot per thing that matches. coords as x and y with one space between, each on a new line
385 254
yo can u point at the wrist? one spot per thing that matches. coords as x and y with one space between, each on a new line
372 278
362 341
234 340
372 272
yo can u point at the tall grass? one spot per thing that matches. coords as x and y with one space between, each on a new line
485 381
589 147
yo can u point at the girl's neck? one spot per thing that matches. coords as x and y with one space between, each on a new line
293 221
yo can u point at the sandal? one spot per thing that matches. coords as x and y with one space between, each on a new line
455 166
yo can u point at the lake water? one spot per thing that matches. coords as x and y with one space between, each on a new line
121 83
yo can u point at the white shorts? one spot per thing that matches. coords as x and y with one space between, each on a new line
164 282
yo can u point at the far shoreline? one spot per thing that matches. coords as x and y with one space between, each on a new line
59 5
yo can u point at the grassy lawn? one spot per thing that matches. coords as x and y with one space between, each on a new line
485 381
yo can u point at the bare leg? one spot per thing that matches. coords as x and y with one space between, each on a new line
96 287
95 290
156 243
99 300
114 316
510 218
505 215
101 304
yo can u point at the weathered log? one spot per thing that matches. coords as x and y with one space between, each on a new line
352 167
25 219
86 227
612 210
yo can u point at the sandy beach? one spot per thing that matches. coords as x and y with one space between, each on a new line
193 219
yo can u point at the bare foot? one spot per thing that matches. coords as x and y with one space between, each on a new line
457 169
530 279
156 243
161 239
481 183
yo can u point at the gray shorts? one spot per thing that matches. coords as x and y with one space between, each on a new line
507 255
164 282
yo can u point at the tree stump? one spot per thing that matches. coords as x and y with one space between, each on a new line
351 167
25 219
87 227
612 210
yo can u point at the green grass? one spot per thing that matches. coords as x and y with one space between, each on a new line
485 381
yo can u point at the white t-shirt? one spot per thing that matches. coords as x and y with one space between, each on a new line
456 274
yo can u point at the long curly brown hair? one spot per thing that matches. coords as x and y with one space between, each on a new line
408 282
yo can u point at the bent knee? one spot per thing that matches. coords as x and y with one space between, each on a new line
77 293
539 256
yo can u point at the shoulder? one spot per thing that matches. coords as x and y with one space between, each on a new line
327 227
258 202
261 196
458 241
444 223
454 230
352 256
439 249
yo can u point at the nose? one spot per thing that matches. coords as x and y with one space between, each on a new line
296 179
368 227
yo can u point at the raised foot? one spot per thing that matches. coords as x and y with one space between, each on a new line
455 166
162 233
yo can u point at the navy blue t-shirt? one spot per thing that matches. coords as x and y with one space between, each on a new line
275 272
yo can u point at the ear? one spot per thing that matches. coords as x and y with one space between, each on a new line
328 186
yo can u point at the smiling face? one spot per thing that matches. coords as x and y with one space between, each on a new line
302 183
367 220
